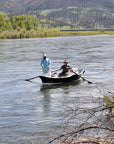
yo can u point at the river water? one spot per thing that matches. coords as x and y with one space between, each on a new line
33 113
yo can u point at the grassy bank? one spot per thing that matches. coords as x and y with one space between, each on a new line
73 33
20 34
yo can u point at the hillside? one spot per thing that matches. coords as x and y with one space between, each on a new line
19 6
70 13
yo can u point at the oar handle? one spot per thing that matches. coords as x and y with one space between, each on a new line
31 78
55 70
38 76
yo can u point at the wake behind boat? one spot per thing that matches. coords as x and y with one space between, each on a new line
73 75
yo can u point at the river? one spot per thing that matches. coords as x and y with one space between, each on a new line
33 113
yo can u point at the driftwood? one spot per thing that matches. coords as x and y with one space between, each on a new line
87 140
90 140
94 119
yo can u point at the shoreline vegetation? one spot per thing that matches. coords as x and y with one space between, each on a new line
21 34
42 33
28 26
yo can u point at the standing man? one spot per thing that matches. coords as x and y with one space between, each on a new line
45 64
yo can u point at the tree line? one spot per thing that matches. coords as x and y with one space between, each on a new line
22 26
20 21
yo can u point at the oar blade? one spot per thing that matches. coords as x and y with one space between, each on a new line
87 80
27 79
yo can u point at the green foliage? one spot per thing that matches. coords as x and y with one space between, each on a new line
24 27
109 103
31 22
5 23
20 21
13 22
25 22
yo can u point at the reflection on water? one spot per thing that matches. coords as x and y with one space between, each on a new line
31 112
62 85
46 101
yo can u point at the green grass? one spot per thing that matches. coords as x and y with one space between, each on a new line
73 33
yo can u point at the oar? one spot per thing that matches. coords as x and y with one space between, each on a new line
38 76
82 77
31 78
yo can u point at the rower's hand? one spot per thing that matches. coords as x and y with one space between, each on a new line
67 67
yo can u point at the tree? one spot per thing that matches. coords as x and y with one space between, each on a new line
5 23
31 22
13 22
20 21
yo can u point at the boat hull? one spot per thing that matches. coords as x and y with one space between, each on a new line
45 79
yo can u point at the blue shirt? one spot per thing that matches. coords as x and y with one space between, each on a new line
46 63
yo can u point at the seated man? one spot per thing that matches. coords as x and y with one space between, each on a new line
65 69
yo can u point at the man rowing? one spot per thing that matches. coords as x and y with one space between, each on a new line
65 68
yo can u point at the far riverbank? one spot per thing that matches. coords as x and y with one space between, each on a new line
21 33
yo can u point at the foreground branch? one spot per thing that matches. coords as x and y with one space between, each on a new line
92 115
80 130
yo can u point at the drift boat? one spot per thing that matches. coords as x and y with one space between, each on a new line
73 75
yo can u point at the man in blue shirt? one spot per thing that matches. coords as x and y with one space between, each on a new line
45 64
